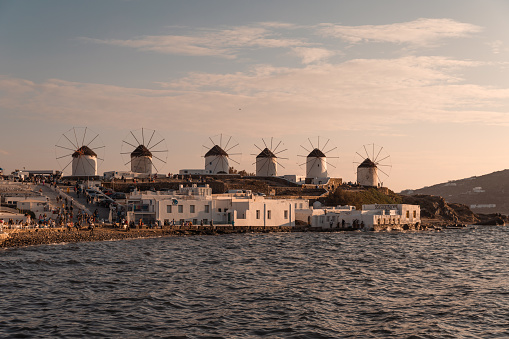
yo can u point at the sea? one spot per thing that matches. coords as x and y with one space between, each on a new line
449 284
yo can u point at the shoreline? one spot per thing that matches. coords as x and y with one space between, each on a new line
16 238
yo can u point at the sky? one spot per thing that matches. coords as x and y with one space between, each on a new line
426 80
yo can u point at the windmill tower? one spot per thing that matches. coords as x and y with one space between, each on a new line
84 146
267 160
84 162
218 157
147 150
370 160
316 160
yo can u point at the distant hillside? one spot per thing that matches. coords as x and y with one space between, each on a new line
483 194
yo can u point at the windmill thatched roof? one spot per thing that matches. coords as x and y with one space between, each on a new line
367 164
316 153
84 150
266 153
216 151
141 151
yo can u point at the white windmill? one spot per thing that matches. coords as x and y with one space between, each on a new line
84 146
267 160
144 149
219 154
316 160
369 161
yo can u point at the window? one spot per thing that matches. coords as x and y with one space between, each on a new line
205 221
286 214
168 209
295 205
191 208
269 213
300 205
257 214
207 208
408 214
181 209
415 214
195 221
219 210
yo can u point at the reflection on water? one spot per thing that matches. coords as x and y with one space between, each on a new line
299 285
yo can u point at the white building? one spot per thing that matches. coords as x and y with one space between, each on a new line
141 160
216 161
198 204
84 162
266 163
316 164
370 217
367 173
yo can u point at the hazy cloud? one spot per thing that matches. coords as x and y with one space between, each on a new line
357 94
209 42
310 55
419 32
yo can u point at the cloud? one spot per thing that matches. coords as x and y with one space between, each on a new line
355 95
311 55
419 32
224 43
497 46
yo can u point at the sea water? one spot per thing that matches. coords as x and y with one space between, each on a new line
450 284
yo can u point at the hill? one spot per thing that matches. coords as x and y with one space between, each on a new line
482 194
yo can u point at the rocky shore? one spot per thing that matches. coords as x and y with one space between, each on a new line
31 237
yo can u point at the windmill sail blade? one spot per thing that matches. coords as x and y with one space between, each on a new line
150 140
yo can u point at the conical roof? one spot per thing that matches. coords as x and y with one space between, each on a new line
266 153
367 164
316 153
141 151
84 150
216 151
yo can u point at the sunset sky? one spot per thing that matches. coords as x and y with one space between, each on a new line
427 80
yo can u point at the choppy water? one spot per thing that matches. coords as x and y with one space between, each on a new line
452 284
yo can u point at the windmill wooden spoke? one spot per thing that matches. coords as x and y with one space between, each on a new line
75 136
63 156
366 151
305 149
73 150
378 154
157 144
234 154
228 142
84 134
238 163
258 148
100 159
142 137
159 151
135 138
383 172
279 164
67 165
384 158
311 167
217 162
384 165
128 162
286 149
228 150
282 158
72 143
324 146
264 143
360 155
311 144
154 166
332 149
213 143
271 140
329 164
150 140
88 145
159 159
99 147
275 149
128 144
